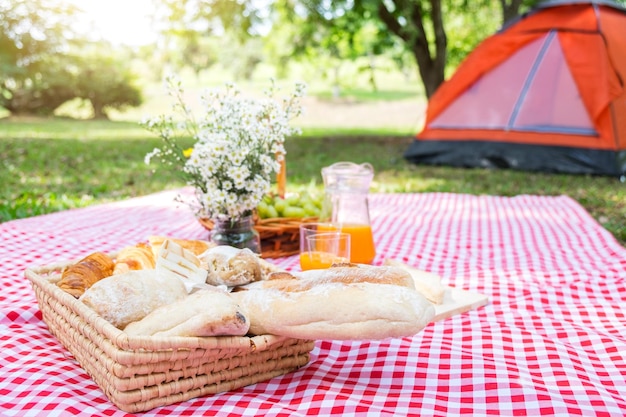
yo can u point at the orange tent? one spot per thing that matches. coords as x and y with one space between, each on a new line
545 93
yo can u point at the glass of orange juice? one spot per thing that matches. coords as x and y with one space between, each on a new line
320 248
362 250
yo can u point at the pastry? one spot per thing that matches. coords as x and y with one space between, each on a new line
132 258
76 278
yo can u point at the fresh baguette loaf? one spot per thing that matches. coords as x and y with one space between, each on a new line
339 311
208 312
340 273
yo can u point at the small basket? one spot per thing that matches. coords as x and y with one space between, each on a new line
138 373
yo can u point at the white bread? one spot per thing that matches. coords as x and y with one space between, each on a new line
337 311
124 298
181 263
208 312
230 266
427 283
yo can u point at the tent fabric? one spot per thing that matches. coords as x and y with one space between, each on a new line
550 81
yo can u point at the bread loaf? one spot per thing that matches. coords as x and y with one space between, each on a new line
124 298
339 311
230 266
208 312
341 273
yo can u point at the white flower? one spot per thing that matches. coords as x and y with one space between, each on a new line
238 145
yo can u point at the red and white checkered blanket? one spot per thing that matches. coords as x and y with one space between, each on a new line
552 340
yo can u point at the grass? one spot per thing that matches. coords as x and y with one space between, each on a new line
56 164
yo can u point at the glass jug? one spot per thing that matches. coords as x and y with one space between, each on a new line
346 187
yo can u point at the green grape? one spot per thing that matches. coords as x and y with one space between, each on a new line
263 210
291 211
272 212
311 210
280 205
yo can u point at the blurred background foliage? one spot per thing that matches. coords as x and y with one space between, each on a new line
46 61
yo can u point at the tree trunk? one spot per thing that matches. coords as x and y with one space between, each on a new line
99 113
431 63
510 9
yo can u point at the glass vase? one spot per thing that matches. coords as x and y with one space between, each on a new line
239 233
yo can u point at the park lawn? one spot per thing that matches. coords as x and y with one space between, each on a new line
55 164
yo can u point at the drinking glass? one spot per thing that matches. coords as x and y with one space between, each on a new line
319 250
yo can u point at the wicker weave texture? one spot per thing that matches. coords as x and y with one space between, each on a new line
141 373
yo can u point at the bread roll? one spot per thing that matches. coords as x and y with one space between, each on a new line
230 266
337 311
209 312
124 298
133 258
76 278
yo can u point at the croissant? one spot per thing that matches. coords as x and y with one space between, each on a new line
86 272
132 258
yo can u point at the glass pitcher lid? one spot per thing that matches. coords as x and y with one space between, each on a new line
348 175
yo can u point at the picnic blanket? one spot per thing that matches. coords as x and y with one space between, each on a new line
552 339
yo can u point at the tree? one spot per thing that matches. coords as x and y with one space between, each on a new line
43 63
32 35
46 86
106 81
418 25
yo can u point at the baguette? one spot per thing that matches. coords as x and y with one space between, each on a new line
208 312
340 273
338 311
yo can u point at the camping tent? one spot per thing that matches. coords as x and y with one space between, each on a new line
545 93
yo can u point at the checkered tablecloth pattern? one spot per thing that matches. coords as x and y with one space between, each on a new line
551 341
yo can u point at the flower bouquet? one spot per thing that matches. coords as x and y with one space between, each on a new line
238 149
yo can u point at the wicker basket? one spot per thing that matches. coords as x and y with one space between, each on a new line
280 236
143 372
